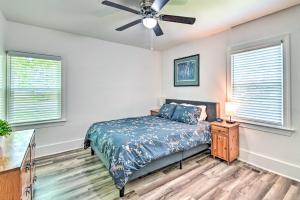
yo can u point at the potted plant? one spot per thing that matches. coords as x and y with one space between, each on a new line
5 130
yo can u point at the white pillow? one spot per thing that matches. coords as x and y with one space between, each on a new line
203 114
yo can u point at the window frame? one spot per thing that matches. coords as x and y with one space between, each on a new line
263 43
41 123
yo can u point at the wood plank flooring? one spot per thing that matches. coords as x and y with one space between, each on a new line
78 175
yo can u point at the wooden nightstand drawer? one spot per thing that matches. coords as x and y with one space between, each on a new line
219 129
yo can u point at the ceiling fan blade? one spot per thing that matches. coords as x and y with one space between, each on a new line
177 19
157 30
121 7
122 28
159 4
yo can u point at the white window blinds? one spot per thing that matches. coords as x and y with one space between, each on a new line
34 88
2 86
257 84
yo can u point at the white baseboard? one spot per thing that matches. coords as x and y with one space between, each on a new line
60 147
274 165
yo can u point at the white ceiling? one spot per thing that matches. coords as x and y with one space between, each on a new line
91 18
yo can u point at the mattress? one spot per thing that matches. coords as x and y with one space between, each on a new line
127 145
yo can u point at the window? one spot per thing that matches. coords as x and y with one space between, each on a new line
34 88
259 84
2 85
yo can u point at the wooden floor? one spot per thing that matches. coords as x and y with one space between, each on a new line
77 175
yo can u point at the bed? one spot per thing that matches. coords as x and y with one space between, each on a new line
133 147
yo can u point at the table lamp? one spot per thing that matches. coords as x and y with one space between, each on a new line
230 110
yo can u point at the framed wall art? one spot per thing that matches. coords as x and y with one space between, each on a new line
186 71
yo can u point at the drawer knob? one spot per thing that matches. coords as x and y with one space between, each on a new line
27 190
34 179
28 166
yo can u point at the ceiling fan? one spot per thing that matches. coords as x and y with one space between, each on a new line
149 10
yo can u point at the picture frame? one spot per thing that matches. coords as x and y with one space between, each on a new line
186 71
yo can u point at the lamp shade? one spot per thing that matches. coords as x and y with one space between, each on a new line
230 108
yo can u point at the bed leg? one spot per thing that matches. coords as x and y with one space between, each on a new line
92 152
180 164
122 191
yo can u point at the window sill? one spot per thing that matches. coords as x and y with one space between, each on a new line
37 125
266 128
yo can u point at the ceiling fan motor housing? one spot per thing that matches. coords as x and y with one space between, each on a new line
146 10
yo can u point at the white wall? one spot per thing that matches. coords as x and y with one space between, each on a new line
212 70
268 150
104 81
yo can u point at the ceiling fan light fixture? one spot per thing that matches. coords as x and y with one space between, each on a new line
149 22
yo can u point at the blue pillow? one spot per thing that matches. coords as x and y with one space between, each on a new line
166 111
186 114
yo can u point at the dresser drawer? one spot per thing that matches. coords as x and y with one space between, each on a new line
219 129
32 158
25 171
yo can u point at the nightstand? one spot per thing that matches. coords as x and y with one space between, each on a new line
225 141
154 112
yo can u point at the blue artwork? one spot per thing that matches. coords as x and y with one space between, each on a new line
186 71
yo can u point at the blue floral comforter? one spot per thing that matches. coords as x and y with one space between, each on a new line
130 144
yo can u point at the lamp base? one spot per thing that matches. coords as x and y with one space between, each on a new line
230 122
